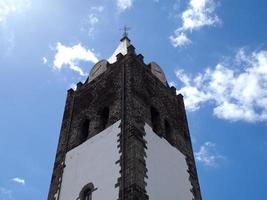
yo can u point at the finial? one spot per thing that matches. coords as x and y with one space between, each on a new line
125 31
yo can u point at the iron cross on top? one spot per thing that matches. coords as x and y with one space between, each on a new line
125 31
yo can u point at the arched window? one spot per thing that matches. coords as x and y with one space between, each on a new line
167 130
104 117
84 131
155 119
86 192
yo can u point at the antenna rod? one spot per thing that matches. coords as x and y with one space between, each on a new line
125 31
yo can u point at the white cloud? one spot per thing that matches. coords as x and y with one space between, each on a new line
208 155
93 18
71 56
8 7
44 60
7 39
124 4
172 83
73 86
198 14
19 180
237 93
179 40
97 8
5 194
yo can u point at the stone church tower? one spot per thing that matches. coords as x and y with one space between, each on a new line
124 136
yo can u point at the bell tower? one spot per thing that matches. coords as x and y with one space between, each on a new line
124 136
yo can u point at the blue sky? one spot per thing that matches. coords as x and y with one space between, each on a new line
213 51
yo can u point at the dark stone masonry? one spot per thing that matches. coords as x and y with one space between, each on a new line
130 92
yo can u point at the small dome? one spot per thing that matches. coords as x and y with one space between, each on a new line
158 72
99 68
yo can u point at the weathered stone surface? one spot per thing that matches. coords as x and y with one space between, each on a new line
131 92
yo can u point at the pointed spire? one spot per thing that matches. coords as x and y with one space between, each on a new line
125 42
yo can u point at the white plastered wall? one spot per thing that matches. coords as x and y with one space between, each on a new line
93 162
167 170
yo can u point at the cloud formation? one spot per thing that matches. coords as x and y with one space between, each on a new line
19 180
124 4
44 60
180 39
208 155
237 93
71 56
5 194
93 18
198 14
73 86
8 7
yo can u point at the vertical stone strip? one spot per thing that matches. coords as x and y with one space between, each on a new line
131 143
188 151
134 144
56 179
122 135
